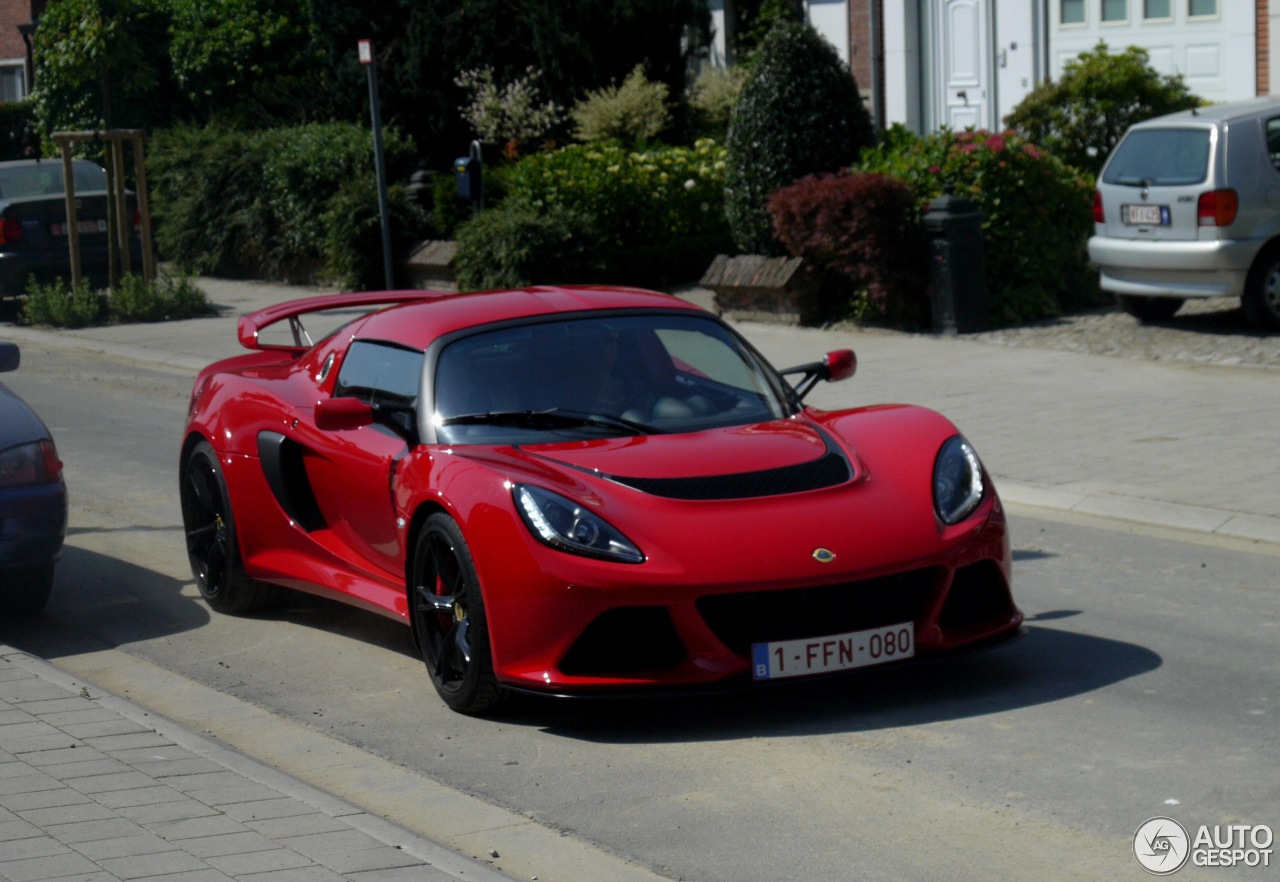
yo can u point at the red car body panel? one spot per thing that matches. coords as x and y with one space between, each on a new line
710 564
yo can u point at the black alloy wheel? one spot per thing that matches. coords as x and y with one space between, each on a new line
211 538
449 621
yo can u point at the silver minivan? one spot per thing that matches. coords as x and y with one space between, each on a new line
1188 205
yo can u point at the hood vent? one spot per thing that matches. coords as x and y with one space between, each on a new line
829 470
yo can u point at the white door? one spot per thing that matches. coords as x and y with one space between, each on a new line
963 63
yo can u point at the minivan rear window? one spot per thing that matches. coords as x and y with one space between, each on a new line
1160 158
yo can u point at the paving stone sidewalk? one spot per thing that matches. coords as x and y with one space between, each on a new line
94 788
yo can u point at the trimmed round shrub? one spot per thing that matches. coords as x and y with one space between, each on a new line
1081 115
1037 213
632 113
864 228
799 114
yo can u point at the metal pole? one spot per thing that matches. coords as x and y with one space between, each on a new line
384 212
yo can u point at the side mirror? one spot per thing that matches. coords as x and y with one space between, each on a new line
10 357
839 364
339 414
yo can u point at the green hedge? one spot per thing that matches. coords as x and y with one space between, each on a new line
652 217
290 203
1037 213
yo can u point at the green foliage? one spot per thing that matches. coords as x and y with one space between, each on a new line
799 114
512 114
648 217
630 114
712 97
864 228
222 50
165 299
1080 116
102 64
18 138
1037 212
62 306
238 203
755 18
133 300
353 232
519 244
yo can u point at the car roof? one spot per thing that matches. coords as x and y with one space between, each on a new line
31 163
418 323
1228 112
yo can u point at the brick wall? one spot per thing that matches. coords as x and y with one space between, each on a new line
12 14
1262 47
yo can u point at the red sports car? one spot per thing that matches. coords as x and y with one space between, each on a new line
573 490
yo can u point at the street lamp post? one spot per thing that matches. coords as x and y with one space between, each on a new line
384 213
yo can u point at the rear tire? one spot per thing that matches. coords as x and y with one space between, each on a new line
449 621
1150 309
24 591
212 544
1261 299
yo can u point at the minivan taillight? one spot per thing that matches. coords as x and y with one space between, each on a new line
1099 217
1217 208
11 231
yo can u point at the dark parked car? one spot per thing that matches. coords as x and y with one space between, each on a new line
33 501
33 224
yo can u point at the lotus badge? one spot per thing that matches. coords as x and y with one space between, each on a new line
824 555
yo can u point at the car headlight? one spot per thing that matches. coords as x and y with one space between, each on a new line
26 464
568 526
958 485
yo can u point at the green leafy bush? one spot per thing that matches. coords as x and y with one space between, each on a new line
518 244
18 138
1081 115
1037 212
353 232
632 114
165 299
63 306
866 229
711 99
657 215
799 114
238 203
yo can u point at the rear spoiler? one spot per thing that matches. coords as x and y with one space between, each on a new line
252 324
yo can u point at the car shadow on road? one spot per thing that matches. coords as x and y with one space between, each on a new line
100 602
1047 665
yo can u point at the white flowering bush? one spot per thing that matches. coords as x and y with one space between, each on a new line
631 114
509 114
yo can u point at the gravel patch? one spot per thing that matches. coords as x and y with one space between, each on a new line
1212 331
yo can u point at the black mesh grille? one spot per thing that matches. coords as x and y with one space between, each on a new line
978 600
740 620
826 471
626 640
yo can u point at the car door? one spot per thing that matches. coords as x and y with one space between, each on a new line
352 471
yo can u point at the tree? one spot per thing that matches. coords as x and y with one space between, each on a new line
91 70
799 114
1082 115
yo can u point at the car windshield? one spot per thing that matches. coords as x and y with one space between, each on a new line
45 179
1160 158
595 377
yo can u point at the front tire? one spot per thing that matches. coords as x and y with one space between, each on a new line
212 545
1150 309
1261 300
449 621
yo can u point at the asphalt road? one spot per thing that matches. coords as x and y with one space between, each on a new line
1147 685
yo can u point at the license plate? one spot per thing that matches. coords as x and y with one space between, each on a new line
1153 215
839 652
84 226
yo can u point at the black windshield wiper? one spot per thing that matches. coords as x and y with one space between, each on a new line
554 417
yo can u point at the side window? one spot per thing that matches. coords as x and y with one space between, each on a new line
380 373
1273 141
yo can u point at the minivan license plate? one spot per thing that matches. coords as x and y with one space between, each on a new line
839 652
1145 215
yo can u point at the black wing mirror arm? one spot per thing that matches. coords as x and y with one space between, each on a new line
839 364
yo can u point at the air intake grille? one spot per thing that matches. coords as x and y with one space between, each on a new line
826 471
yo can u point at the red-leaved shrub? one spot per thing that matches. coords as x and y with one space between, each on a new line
865 228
